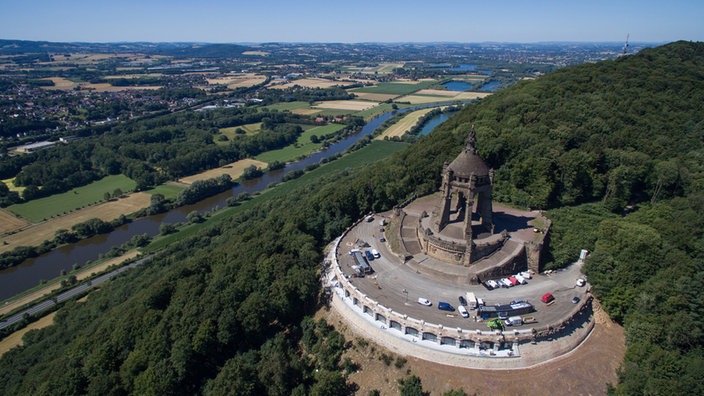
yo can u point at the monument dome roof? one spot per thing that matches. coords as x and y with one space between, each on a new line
468 162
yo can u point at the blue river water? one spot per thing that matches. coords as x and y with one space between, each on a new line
460 86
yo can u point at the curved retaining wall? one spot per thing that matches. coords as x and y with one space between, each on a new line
459 337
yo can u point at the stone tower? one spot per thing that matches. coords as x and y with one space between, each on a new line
469 181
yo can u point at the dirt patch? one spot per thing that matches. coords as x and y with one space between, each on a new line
355 105
10 222
234 169
585 371
15 339
107 211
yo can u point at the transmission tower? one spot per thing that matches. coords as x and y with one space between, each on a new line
625 46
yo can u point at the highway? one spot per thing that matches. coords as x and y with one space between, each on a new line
68 294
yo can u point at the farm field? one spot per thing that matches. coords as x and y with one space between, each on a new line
377 97
290 106
9 222
238 81
58 204
395 88
169 191
400 128
354 105
420 99
106 211
303 145
309 83
436 92
234 169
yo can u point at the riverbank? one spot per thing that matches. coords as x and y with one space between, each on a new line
21 300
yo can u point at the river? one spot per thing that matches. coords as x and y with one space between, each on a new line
50 265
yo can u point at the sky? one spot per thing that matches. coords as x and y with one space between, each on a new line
256 21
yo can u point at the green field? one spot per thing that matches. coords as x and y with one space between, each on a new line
378 110
369 154
303 145
167 190
395 88
44 208
289 106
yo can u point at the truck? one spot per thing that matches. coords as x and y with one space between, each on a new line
471 300
515 320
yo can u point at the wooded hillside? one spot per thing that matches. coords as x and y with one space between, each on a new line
226 312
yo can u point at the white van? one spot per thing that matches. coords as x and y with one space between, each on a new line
461 309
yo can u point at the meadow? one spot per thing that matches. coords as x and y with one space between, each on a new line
396 88
303 145
58 204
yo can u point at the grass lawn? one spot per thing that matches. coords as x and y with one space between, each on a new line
373 152
303 145
44 208
169 191
9 183
249 129
289 106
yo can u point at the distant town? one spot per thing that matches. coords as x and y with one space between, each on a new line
48 90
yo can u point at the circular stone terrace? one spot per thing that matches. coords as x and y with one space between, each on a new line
384 307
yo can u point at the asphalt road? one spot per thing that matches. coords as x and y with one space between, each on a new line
395 285
68 294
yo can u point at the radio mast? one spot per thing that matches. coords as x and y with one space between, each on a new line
625 46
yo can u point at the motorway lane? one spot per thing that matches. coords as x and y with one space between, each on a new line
68 294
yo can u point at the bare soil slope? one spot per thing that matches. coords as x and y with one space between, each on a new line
585 371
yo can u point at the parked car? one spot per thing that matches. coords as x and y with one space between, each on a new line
375 253
462 301
575 300
463 311
580 282
369 255
424 301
